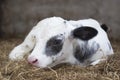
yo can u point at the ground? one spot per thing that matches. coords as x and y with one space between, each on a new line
9 70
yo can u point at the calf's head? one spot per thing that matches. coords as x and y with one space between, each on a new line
51 40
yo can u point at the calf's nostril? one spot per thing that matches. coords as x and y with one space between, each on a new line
34 61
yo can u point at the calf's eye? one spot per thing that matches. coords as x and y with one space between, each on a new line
54 45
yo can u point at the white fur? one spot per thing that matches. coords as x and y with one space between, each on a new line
50 27
101 38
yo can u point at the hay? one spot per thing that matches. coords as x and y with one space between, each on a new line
9 70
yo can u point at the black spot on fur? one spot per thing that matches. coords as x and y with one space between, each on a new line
84 51
104 27
54 45
85 33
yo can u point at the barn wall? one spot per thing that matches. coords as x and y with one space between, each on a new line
19 16
1 16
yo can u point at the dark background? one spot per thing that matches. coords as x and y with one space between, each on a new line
19 16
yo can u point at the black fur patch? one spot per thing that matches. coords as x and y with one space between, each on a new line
54 45
84 51
104 27
85 33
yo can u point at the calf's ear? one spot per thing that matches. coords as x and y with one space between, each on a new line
84 33
104 27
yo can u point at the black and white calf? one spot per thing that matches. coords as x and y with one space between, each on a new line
55 40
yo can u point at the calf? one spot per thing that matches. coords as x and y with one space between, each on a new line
55 40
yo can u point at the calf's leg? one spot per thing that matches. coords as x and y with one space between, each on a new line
25 47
